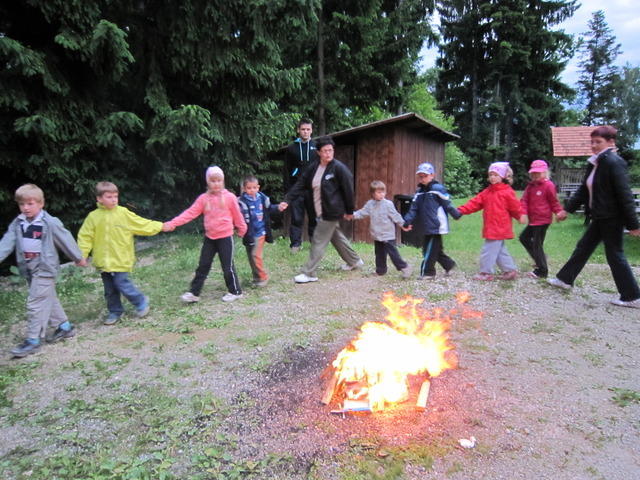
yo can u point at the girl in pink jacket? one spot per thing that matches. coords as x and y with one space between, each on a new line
539 202
499 204
221 215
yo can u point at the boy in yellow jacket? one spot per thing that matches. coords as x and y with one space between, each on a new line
108 232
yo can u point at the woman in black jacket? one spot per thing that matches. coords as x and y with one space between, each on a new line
610 207
331 185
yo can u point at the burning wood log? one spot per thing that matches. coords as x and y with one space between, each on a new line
331 387
423 396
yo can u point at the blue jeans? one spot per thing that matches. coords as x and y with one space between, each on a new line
116 283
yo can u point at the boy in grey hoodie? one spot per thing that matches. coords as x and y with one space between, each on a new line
383 220
36 236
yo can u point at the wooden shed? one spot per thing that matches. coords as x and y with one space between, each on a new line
389 150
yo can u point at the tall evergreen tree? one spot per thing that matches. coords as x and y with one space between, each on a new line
500 65
596 84
361 58
627 107
142 93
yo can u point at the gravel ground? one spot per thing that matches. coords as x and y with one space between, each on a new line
533 386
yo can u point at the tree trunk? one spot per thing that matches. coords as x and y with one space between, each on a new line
321 121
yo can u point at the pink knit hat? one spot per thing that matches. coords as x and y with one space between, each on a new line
214 171
538 166
500 168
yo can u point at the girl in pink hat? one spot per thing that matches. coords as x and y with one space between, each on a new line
499 205
539 202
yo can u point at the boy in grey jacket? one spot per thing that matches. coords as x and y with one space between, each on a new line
36 236
383 219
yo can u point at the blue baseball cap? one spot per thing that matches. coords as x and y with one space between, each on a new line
426 168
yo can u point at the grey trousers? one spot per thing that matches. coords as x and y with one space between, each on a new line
328 231
494 252
43 305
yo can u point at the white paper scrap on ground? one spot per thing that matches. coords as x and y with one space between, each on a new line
467 442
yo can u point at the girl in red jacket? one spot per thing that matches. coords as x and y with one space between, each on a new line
499 204
539 202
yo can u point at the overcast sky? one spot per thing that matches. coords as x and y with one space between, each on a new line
622 16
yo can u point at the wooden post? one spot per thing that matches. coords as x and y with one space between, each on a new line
423 396
331 387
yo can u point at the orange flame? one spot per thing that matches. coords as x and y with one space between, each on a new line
412 341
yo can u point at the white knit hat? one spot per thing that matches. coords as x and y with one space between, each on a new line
214 171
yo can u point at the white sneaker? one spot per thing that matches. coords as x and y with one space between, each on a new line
624 303
556 282
231 297
303 278
189 298
406 272
359 264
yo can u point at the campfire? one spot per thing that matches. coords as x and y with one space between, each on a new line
374 370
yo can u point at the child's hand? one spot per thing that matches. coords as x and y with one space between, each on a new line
82 263
283 206
522 219
408 228
166 227
348 217
561 215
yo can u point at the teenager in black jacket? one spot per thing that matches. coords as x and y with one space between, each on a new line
610 207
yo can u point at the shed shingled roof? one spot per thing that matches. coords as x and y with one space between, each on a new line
571 141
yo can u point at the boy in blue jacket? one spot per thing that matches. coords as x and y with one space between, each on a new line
256 209
429 209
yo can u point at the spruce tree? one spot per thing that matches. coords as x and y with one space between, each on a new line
598 76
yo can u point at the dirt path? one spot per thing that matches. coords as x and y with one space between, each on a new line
535 385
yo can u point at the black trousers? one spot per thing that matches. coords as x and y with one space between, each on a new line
224 248
432 252
382 249
298 208
610 232
532 238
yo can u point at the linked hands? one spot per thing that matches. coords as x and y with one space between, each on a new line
282 206
166 227
82 263
561 215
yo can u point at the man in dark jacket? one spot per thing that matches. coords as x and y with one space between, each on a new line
330 184
610 207
299 155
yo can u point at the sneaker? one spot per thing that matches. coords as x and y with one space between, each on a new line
512 275
448 272
627 303
61 334
231 297
112 319
143 311
304 278
556 282
189 297
485 277
261 283
406 272
427 277
346 267
25 348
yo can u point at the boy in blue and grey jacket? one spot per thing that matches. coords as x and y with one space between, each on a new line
383 220
256 209
36 237
429 207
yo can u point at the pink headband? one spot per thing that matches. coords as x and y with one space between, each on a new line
500 168
214 171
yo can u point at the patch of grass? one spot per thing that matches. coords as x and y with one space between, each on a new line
11 376
541 327
596 359
624 397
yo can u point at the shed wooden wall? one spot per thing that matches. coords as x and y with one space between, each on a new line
391 154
